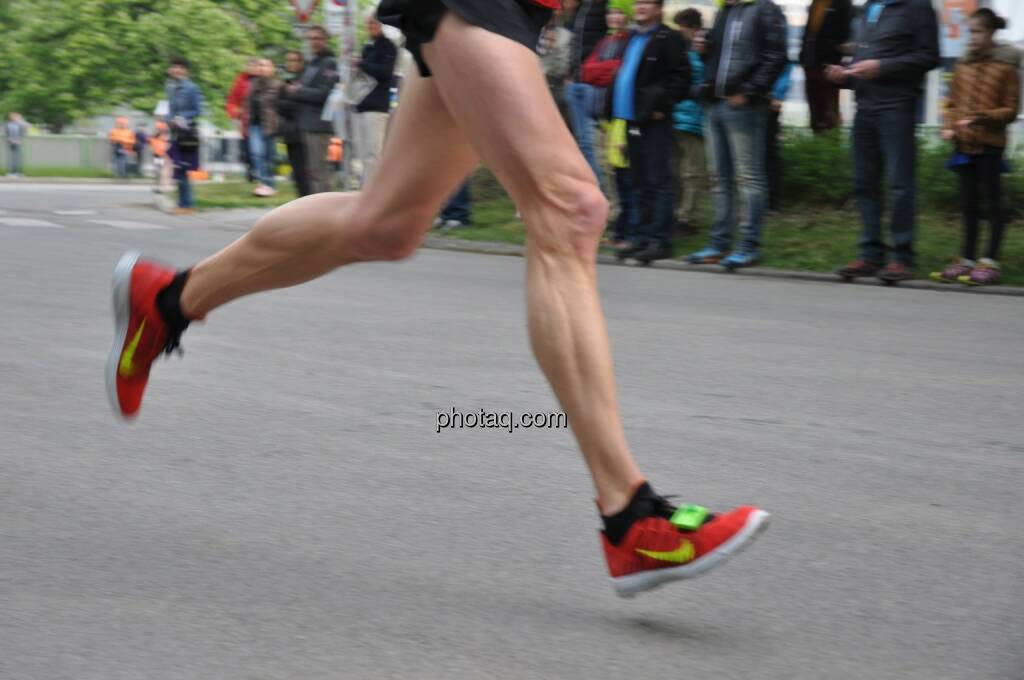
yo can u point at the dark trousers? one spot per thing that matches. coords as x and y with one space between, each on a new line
629 215
459 206
884 144
823 100
650 163
772 158
984 175
297 159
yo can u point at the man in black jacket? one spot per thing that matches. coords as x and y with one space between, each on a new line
745 56
378 62
897 44
288 109
311 92
654 76
828 29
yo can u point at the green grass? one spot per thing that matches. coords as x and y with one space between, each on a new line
239 195
75 173
800 238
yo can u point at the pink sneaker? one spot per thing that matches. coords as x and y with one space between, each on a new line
987 273
954 270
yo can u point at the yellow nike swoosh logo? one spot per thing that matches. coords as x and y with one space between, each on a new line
128 358
681 555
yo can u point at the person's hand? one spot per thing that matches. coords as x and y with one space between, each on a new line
357 62
737 101
776 105
292 88
835 74
947 135
965 122
867 69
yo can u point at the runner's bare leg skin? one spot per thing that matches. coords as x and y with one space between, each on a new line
425 158
502 103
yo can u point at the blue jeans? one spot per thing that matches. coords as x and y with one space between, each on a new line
734 141
459 206
884 142
650 165
184 190
120 162
15 158
578 97
261 150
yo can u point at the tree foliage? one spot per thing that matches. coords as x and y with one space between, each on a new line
67 60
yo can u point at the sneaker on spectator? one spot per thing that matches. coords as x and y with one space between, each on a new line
740 259
707 255
958 267
895 272
986 273
858 269
452 225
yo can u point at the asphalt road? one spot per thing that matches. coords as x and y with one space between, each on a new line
285 508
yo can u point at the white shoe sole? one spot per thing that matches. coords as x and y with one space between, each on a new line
629 586
122 312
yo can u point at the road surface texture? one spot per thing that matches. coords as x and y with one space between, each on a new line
285 508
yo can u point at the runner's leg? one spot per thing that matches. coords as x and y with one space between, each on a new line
502 102
426 157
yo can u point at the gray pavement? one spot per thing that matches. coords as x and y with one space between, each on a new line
285 509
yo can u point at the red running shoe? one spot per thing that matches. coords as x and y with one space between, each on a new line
140 332
657 550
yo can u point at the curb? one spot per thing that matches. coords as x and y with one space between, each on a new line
508 249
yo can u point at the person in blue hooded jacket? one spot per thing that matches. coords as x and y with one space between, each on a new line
690 160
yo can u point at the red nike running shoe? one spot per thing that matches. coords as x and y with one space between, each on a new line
140 333
656 551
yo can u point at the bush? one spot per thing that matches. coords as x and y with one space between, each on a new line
819 171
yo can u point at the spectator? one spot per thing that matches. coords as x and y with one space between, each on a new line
122 146
599 71
185 103
655 74
773 130
310 92
690 161
827 31
261 105
15 130
897 44
555 49
139 149
237 111
984 98
378 62
746 54
160 143
287 109
458 211
588 27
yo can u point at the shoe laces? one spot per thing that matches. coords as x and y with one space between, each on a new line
173 345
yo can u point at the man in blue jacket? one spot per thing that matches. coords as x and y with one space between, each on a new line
184 106
654 76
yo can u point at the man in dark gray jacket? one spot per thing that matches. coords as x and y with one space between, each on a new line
311 91
897 44
746 54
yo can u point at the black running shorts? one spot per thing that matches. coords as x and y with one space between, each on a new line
518 20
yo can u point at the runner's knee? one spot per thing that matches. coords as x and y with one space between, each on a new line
571 219
395 237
